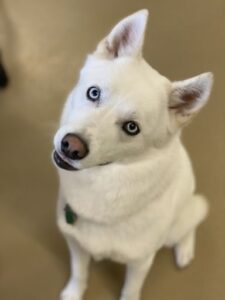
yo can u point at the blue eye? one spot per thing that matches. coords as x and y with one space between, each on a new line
93 93
131 128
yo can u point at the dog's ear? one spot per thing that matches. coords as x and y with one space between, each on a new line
126 38
187 97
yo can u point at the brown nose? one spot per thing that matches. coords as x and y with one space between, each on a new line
73 147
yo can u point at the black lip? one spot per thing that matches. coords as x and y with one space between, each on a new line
62 163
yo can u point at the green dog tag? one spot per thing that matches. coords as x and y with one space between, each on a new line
70 216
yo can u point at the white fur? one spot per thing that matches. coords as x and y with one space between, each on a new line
144 199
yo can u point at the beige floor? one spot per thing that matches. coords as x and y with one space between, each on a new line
44 43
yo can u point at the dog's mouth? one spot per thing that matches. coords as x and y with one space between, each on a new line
61 163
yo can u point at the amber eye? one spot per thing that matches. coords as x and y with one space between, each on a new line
93 93
131 128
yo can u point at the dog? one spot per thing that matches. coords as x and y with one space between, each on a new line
127 187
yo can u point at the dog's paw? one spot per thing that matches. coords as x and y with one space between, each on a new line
68 296
184 258
131 297
69 293
184 252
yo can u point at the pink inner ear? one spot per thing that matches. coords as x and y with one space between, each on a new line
187 99
190 96
120 41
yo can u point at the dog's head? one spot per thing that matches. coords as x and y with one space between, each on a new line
122 108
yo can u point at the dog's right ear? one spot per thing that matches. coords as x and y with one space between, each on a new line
126 38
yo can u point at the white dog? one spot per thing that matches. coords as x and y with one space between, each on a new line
127 187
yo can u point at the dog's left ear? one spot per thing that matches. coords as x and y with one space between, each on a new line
126 38
187 97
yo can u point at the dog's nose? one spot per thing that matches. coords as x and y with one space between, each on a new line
73 147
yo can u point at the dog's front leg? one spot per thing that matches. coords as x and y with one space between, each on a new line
135 276
77 284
